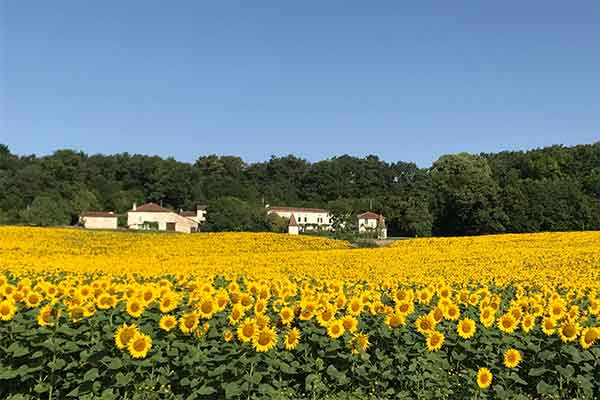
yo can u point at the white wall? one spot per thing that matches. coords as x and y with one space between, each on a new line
99 222
304 217
182 224
364 224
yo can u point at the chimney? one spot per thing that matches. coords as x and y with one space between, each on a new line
134 207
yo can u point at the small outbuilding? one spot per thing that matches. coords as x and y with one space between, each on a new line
99 220
293 228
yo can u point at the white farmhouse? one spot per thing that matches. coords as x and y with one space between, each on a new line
99 220
307 219
372 222
152 216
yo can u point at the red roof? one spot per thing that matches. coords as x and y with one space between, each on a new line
150 207
297 209
103 214
292 221
369 215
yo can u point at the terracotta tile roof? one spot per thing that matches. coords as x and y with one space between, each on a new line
297 209
103 214
292 221
369 215
150 207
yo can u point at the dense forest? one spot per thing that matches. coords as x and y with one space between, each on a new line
550 189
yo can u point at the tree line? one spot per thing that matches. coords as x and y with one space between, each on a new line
550 189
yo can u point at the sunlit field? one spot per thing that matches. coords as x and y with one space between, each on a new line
116 315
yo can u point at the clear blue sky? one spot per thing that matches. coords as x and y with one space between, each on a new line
313 78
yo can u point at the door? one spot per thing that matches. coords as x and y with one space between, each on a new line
170 226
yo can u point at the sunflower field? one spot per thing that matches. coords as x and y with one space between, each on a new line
120 315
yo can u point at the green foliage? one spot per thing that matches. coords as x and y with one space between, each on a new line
81 361
46 210
555 188
235 215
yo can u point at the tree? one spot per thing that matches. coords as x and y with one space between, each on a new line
47 210
468 197
235 215
343 215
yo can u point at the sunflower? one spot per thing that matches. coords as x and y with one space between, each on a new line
350 323
188 322
7 310
395 320
76 313
335 329
435 340
484 378
473 299
436 315
148 295
167 322
32 300
405 308
507 323
135 308
424 296
221 300
105 301
516 312
594 307
573 313
452 312
445 292
139 345
168 303
228 335
512 358
260 306
549 326
264 340
124 335
308 311
262 320
326 316
355 306
588 337
47 316
236 315
557 309
466 328
528 322
207 308
292 339
247 330
246 300
287 315
360 342
425 324
569 331
487 316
